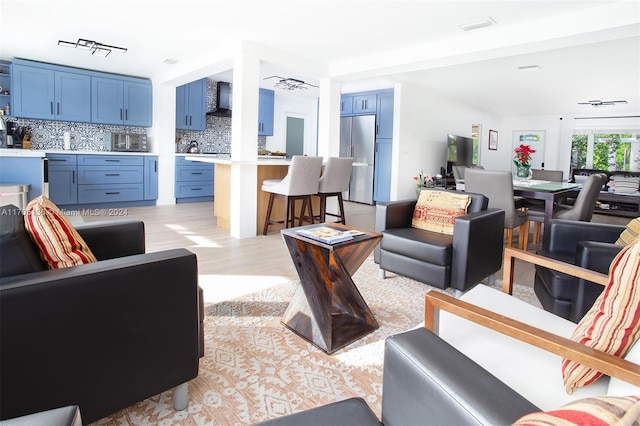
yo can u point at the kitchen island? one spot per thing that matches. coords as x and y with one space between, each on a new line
268 168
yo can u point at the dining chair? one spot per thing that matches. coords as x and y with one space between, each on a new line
497 185
548 175
333 182
581 210
300 183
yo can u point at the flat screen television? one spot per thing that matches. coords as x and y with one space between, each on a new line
459 152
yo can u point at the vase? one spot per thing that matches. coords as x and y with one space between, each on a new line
523 172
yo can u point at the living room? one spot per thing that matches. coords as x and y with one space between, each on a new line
250 278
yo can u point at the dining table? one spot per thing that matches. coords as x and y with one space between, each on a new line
549 192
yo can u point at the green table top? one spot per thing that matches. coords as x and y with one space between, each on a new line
544 185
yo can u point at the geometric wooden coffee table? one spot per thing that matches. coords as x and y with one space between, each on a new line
327 308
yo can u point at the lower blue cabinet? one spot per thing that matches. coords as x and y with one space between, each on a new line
193 181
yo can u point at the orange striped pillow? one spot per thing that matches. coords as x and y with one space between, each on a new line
602 410
612 324
59 243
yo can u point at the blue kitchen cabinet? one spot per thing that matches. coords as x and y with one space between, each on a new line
365 104
121 101
382 170
384 115
63 183
191 105
266 112
110 178
193 181
151 178
5 83
346 105
46 94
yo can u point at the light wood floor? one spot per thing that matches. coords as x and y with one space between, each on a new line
222 258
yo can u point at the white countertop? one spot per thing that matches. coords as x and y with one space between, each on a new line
261 161
17 152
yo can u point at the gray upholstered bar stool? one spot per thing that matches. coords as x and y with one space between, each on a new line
300 183
333 182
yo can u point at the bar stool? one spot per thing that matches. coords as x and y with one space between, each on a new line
333 182
300 183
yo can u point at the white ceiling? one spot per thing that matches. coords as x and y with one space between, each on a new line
586 49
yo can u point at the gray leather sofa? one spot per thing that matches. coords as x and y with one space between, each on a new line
426 381
460 261
101 336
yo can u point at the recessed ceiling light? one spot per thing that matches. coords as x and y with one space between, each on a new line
170 61
479 23
530 68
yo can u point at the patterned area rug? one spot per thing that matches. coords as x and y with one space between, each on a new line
255 369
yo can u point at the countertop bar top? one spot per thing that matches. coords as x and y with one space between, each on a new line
17 152
261 161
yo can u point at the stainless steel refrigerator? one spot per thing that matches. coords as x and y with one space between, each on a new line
358 140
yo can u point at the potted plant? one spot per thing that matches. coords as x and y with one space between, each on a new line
422 181
522 160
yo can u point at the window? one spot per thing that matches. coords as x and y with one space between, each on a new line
606 151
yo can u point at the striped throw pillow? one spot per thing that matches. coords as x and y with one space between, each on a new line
630 233
612 324
59 243
602 410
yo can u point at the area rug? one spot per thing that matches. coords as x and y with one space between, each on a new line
255 369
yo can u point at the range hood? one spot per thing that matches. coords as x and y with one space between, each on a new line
223 100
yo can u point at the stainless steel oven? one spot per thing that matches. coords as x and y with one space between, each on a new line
129 142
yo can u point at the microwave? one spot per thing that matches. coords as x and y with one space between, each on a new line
129 142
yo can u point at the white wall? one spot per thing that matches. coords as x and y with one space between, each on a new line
299 107
422 120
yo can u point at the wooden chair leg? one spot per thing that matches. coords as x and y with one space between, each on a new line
308 202
537 228
266 220
523 236
509 237
323 208
341 209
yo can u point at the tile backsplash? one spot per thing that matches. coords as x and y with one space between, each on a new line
97 137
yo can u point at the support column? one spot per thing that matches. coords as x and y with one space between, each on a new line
329 118
244 145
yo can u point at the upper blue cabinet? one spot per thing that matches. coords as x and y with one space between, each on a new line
364 104
191 105
266 112
50 95
120 101
53 92
346 105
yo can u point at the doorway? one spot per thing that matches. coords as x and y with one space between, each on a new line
295 136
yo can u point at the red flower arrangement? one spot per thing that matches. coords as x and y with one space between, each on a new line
523 155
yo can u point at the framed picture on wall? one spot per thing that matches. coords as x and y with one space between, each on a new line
536 140
493 140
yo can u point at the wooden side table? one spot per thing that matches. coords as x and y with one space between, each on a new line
327 309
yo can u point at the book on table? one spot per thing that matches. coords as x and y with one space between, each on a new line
326 234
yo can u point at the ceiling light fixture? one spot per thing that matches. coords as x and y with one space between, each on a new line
290 83
530 68
597 103
479 23
97 49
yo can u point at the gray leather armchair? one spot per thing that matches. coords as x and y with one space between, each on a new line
460 261
102 336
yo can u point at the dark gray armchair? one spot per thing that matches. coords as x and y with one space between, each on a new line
460 261
102 336
586 244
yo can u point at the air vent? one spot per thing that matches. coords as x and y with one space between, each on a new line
170 61
480 23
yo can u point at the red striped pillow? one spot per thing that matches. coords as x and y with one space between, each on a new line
59 243
612 324
603 410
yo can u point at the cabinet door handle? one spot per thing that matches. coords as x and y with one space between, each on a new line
112 161
196 189
196 173
112 193
73 176
112 174
51 107
155 166
190 120
56 159
126 114
120 113
58 108
186 119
